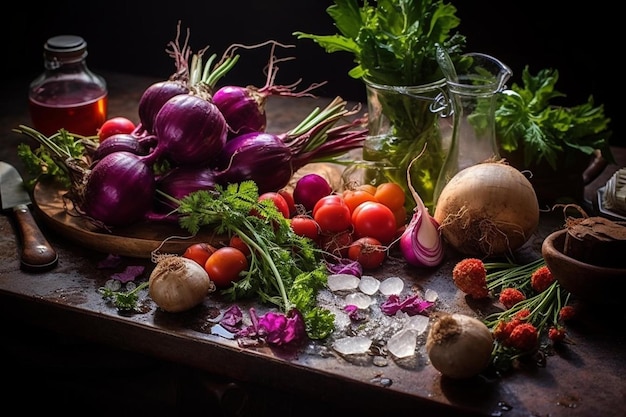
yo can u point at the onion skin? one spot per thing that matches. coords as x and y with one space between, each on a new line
488 209
459 346
261 157
154 97
178 284
190 130
119 190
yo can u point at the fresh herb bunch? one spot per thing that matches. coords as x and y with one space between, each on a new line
47 160
527 119
285 268
394 42
535 305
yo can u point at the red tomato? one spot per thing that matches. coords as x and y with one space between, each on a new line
279 201
332 214
225 265
328 199
288 196
305 226
368 252
114 126
236 242
336 243
199 252
373 219
355 197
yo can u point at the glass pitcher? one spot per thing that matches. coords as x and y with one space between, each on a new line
472 98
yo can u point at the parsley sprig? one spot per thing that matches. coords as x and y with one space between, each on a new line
285 268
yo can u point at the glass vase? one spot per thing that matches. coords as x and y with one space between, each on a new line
407 123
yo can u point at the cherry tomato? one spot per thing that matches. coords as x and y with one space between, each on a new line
199 252
367 251
336 243
332 214
355 197
328 199
390 194
288 196
373 219
114 126
305 226
279 201
236 242
225 265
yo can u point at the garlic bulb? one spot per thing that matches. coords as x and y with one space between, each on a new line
459 346
177 284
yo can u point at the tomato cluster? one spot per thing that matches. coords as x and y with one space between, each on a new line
358 224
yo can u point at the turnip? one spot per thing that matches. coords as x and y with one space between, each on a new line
488 209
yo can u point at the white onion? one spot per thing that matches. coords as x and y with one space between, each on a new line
459 346
488 209
178 284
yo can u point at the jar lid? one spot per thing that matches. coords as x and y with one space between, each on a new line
66 47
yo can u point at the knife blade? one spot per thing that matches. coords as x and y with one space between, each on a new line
36 252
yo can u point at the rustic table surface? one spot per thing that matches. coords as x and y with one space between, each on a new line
584 378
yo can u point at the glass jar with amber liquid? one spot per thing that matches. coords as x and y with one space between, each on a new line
67 95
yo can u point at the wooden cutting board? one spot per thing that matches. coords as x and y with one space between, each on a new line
141 239
138 240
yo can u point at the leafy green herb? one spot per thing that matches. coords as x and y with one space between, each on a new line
123 300
393 41
285 269
47 159
526 119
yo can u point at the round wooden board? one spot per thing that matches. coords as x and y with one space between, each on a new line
138 241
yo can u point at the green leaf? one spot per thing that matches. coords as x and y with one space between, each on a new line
526 118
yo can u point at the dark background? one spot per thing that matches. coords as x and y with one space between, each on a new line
131 36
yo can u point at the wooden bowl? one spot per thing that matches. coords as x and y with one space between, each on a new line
588 282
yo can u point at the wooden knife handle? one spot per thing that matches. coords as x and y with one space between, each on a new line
37 253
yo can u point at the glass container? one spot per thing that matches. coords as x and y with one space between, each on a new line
67 94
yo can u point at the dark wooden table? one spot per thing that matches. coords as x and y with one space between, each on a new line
62 339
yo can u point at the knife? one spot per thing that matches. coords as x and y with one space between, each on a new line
37 253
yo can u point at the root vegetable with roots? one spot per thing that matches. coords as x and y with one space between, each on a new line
488 210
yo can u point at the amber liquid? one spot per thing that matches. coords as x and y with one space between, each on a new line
75 107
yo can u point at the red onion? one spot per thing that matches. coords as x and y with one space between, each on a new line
270 159
261 157
182 181
244 107
153 98
190 130
121 142
119 190
421 242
